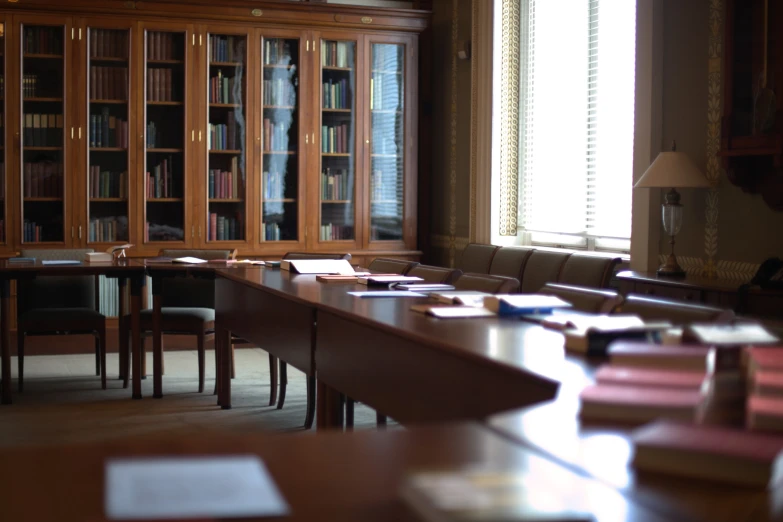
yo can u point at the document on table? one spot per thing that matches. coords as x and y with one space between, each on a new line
190 487
387 293
61 262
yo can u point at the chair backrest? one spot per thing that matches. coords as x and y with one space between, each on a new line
435 274
591 300
491 284
477 258
385 265
678 312
588 270
56 292
315 255
510 261
542 267
191 293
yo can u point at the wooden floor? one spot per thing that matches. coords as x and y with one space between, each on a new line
63 401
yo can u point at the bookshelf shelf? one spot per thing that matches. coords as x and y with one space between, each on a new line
225 105
215 151
108 149
164 200
108 200
43 148
279 107
284 200
227 64
43 242
107 59
337 201
332 68
164 151
164 103
226 200
335 155
41 99
40 56
337 110
166 62
43 199
110 102
280 152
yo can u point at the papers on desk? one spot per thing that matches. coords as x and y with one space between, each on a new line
188 260
318 266
729 334
60 262
387 293
190 487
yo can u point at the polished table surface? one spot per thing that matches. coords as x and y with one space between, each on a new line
332 476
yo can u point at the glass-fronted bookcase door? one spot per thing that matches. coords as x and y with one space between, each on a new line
281 105
105 131
225 201
4 206
389 145
338 137
167 94
45 49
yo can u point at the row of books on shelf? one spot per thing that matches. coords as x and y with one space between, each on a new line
336 185
335 140
385 94
277 52
332 232
108 131
160 181
225 228
226 184
279 92
274 185
32 232
43 40
30 88
152 135
43 179
43 130
108 229
225 89
270 232
108 83
159 86
336 54
276 137
222 136
161 46
226 49
107 184
108 43
336 94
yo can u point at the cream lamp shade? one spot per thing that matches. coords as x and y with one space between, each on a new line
672 170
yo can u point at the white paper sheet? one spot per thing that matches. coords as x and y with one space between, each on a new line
190 487
386 293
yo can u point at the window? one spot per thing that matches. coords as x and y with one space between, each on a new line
576 122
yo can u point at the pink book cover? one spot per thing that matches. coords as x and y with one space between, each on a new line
768 406
655 378
648 349
766 358
640 396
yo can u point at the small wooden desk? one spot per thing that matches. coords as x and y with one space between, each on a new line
120 269
329 477
405 364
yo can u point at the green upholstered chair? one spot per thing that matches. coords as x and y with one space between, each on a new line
60 305
588 270
435 274
477 258
385 265
187 308
677 312
542 267
583 299
491 284
510 262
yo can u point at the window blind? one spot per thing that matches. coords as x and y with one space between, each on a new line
576 132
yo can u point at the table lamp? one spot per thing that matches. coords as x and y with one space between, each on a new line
672 170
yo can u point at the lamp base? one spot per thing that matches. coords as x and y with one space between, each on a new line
671 268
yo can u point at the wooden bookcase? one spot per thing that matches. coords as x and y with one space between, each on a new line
261 127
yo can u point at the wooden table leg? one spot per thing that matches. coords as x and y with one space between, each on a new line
157 339
122 308
330 407
137 288
5 338
223 344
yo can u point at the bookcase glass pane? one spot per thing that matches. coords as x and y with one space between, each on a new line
280 169
164 114
43 81
338 122
107 177
387 175
226 137
2 133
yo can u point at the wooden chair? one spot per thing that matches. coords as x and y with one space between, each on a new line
188 308
590 300
492 284
60 305
435 274
477 258
542 267
384 265
678 312
510 262
588 270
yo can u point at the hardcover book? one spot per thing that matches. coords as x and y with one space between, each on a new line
523 304
637 404
693 358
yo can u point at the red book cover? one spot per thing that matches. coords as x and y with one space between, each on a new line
100 48
106 83
94 43
168 85
93 81
156 85
634 398
213 226
766 358
654 378
230 186
624 353
768 383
